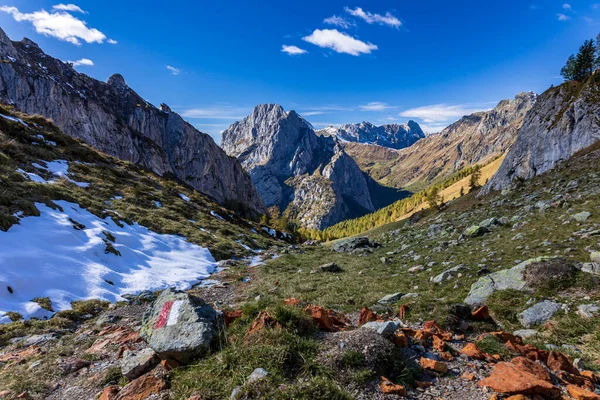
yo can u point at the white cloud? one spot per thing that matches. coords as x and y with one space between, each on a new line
387 19
439 113
563 17
174 71
293 50
68 7
225 113
339 42
310 113
112 41
338 21
83 62
567 6
374 106
59 24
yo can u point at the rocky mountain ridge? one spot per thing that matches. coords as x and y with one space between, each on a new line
394 136
563 121
295 169
113 118
474 139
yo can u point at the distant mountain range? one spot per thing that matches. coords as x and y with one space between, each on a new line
394 136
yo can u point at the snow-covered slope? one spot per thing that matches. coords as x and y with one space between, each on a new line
70 255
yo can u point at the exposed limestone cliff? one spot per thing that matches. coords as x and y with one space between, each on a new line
116 120
310 176
564 120
394 136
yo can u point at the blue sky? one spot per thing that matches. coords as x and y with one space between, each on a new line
344 61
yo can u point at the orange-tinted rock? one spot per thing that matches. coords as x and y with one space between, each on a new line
327 320
560 362
432 326
262 321
109 393
403 311
590 375
517 397
482 313
433 365
20 356
366 315
400 339
512 379
468 376
142 387
230 316
502 337
438 344
408 331
581 394
446 356
422 334
472 351
292 302
533 368
388 387
169 364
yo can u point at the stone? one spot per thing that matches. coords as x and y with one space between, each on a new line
257 375
136 363
180 326
231 315
501 280
539 313
591 268
595 257
390 298
449 273
142 388
326 319
433 365
560 362
579 393
480 314
512 379
533 368
525 333
387 387
330 267
110 393
348 245
490 222
582 216
366 315
587 310
475 230
472 351
383 328
416 268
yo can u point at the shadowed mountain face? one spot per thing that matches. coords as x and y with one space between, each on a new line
474 139
309 176
115 119
393 136
563 121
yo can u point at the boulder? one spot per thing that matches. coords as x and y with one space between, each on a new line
512 379
490 222
475 230
579 393
539 274
383 328
539 313
390 298
595 257
142 388
330 267
587 310
591 268
582 216
502 280
180 326
525 333
449 273
348 245
136 363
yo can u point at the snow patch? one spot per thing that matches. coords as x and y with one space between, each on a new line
13 119
184 197
46 257
59 168
217 216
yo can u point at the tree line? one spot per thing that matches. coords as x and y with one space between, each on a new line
579 67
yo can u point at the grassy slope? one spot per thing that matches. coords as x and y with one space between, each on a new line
109 177
366 278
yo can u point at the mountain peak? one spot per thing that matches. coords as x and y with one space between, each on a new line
117 81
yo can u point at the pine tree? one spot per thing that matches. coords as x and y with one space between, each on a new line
474 180
568 71
582 66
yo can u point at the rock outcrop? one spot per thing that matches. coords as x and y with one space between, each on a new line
394 136
474 139
308 175
116 120
563 121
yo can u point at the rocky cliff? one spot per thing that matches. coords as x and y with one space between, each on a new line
474 139
563 121
309 175
116 120
394 136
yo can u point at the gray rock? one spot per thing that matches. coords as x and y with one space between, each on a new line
475 230
587 310
257 374
501 280
348 245
180 326
539 313
595 256
582 216
136 363
116 120
490 222
390 298
416 268
394 136
591 268
330 267
449 273
525 333
383 328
